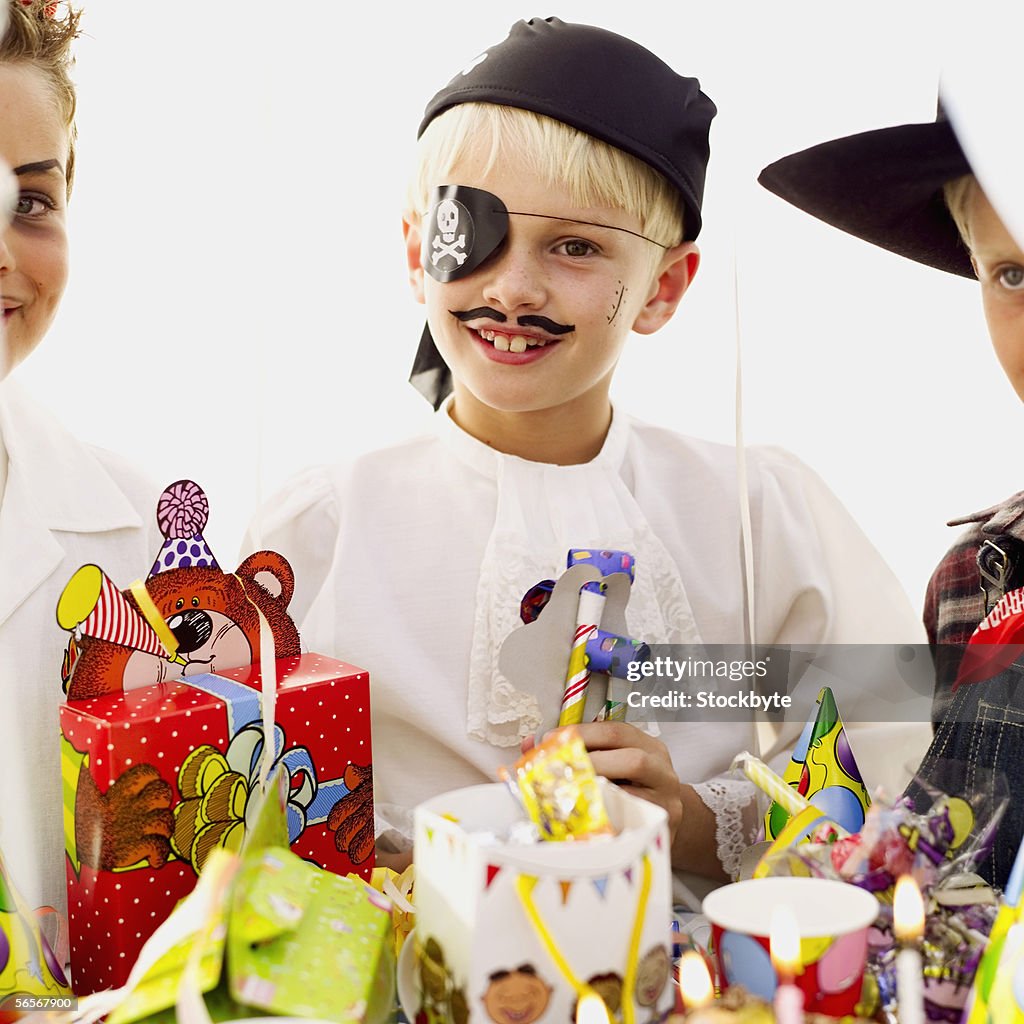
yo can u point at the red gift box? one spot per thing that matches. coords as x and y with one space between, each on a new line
192 750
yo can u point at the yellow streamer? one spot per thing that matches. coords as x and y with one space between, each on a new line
525 884
629 982
152 615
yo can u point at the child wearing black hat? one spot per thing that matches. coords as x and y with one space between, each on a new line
911 190
555 208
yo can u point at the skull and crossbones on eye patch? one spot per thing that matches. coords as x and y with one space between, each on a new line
466 225
445 243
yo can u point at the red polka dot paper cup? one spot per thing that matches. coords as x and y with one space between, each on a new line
833 919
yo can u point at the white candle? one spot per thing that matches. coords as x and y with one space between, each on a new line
908 924
909 993
784 938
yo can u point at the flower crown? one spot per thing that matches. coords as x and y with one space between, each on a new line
49 10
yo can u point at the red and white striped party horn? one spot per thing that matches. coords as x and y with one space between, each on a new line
92 605
577 676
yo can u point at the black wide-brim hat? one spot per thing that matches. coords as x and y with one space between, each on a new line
884 186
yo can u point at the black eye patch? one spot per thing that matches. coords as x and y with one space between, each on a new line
463 227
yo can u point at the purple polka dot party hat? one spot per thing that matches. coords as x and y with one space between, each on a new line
182 513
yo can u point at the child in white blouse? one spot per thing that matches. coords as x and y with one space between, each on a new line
63 503
554 211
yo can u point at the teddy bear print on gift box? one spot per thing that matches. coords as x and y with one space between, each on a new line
190 618
163 735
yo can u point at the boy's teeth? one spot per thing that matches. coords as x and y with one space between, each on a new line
512 342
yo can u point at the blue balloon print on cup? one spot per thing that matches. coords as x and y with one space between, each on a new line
746 962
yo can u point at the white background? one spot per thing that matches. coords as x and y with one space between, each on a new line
239 307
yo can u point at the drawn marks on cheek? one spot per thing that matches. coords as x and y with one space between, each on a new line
617 305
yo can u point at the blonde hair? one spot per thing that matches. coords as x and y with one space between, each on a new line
957 194
39 35
594 172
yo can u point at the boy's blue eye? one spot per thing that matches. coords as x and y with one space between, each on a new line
577 247
1011 277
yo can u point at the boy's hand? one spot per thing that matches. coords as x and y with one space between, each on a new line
639 763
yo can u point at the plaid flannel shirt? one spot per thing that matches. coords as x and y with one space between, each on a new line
954 602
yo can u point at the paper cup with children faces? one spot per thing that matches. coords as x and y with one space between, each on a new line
513 933
833 919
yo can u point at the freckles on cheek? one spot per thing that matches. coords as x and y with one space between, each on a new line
615 305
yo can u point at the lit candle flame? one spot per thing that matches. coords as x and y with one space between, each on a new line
907 910
591 1009
784 938
694 981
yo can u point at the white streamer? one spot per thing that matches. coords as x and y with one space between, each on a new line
741 466
268 679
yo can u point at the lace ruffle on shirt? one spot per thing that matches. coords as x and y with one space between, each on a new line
734 805
542 511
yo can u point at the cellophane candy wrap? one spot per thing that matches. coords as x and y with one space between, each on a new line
938 848
558 788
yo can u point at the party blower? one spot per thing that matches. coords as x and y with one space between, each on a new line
581 639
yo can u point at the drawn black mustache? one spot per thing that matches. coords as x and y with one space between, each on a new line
551 326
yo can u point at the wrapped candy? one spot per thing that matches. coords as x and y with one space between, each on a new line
938 847
947 839
559 788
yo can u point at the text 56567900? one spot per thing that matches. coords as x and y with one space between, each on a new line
26 1004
